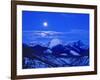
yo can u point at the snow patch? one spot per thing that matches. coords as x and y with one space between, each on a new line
74 53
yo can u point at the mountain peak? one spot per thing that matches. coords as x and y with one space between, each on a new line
54 42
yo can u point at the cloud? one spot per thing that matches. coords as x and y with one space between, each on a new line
55 32
51 34
48 32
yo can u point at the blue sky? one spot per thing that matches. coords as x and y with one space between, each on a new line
44 26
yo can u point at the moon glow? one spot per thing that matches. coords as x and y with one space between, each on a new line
45 24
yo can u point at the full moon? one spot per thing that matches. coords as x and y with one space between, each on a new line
45 24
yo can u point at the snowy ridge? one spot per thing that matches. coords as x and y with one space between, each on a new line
55 54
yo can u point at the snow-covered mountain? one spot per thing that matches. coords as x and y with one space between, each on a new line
54 42
55 54
56 46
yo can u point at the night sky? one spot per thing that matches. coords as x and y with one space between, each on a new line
45 26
